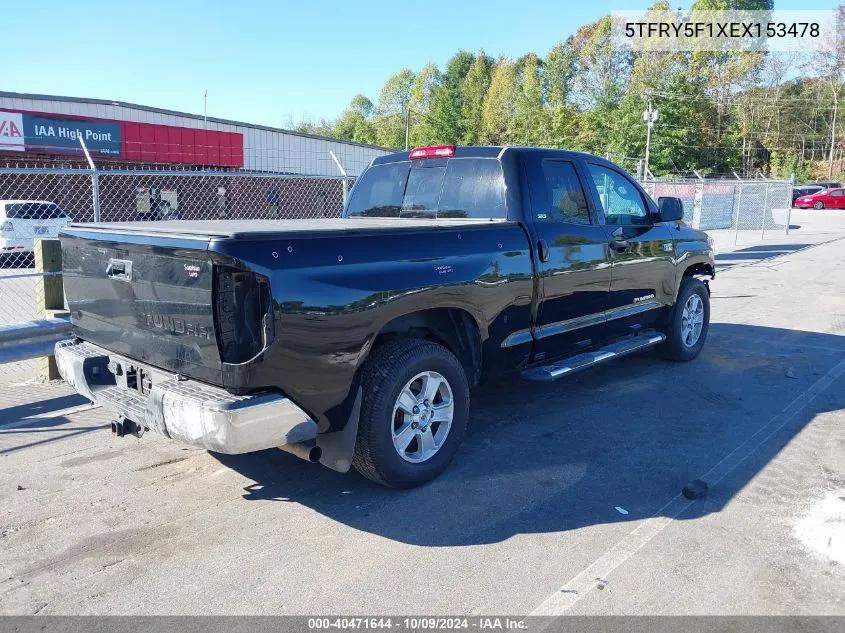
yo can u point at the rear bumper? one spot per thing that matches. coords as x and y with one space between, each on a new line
186 410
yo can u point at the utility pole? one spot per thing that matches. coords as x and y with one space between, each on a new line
832 136
649 116
205 108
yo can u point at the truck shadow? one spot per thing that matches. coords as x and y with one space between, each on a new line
623 438
754 254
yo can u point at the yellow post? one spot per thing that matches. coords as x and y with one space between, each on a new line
49 295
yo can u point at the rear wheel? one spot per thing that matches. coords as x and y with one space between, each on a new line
689 322
413 413
819 205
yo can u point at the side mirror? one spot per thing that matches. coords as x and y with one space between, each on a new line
669 209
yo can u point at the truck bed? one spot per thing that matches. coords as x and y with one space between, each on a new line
194 297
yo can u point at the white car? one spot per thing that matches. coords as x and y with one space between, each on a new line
21 221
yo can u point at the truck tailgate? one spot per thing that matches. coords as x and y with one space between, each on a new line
146 302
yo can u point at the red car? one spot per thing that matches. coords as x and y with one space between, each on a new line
824 199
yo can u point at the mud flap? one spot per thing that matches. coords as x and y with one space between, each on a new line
337 448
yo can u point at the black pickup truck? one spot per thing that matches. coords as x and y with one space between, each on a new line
355 341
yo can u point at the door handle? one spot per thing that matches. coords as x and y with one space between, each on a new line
619 242
119 269
543 250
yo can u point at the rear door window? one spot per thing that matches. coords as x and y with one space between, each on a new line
432 188
473 188
565 199
34 211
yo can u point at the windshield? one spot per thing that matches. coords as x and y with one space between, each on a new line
433 188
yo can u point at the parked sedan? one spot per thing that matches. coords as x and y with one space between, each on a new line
805 190
21 221
824 199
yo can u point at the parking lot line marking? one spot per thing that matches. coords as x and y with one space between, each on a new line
51 415
580 585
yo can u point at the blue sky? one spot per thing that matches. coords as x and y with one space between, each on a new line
263 62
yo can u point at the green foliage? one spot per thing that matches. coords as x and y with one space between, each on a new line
472 92
498 112
718 112
362 105
601 70
392 102
785 164
531 120
355 123
560 72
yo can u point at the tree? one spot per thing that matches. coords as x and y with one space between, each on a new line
447 100
828 63
355 123
390 116
363 106
499 108
472 93
560 72
719 111
678 144
443 116
423 89
601 70
726 73
531 122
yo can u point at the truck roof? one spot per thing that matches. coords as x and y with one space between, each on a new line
491 151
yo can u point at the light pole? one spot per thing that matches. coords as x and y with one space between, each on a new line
649 116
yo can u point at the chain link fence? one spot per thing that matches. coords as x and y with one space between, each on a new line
750 208
37 202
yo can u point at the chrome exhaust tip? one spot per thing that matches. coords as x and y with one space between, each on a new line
309 451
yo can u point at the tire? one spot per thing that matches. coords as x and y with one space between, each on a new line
676 346
819 205
386 376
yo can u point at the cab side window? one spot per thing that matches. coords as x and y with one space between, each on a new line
620 199
565 198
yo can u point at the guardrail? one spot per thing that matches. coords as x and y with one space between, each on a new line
32 339
36 339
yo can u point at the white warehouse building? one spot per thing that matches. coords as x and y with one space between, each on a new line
47 128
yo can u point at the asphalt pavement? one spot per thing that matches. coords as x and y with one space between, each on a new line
565 498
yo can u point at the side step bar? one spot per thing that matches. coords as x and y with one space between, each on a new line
567 366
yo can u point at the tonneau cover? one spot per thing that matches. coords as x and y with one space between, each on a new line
259 228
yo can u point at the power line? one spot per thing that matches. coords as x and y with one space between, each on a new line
784 136
736 97
791 148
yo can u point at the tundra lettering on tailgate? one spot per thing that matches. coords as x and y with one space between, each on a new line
176 326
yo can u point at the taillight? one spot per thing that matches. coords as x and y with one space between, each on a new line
243 314
435 151
7 227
